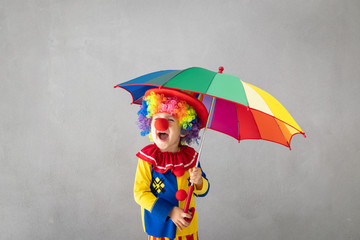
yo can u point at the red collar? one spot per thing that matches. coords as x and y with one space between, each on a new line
163 161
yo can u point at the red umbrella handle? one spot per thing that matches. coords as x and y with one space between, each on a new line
187 203
188 198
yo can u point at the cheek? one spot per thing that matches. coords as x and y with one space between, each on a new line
177 130
152 128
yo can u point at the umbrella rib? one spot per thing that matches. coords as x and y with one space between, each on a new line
292 127
257 126
247 100
209 85
288 144
176 75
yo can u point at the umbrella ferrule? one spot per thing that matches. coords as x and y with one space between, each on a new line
221 69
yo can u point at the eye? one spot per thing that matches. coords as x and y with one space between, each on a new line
171 120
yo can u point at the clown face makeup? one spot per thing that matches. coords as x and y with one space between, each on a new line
176 104
166 136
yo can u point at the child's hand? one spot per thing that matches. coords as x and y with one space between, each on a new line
178 216
196 176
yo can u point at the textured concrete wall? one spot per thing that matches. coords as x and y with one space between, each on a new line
68 139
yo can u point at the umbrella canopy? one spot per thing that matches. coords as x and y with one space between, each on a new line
239 109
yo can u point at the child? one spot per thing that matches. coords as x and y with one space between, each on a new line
166 168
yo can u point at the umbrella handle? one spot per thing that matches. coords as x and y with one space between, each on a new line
187 203
188 198
192 212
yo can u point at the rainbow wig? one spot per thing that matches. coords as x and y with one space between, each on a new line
157 103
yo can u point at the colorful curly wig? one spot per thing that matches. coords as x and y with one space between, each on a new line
185 114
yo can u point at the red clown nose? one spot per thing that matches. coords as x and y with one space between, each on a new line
161 124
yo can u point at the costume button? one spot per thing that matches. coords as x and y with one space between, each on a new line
179 172
181 195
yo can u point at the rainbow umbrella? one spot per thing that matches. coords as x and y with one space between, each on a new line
236 108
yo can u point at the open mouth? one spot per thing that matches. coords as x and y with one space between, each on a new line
163 136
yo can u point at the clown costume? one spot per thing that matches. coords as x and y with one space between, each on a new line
166 168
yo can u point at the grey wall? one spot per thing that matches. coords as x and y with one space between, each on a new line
68 139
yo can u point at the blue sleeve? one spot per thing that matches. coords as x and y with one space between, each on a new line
162 208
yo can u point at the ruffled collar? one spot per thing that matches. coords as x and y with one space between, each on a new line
164 161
